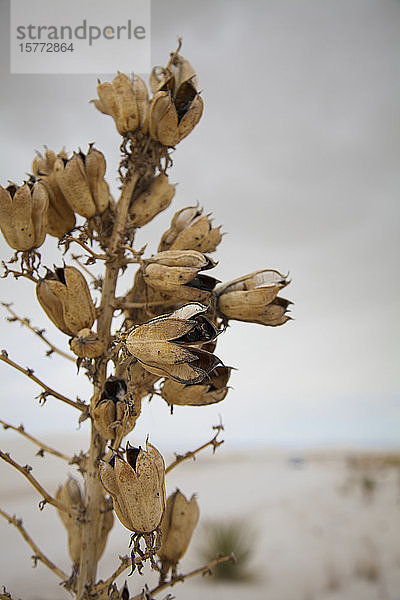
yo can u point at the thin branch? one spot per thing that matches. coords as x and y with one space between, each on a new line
43 447
119 303
26 472
48 391
17 274
39 332
205 570
214 442
126 562
136 253
38 553
70 239
76 258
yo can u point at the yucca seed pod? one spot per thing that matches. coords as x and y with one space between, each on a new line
43 165
60 216
152 201
177 526
71 495
81 180
212 390
169 345
137 487
112 414
126 100
246 298
178 273
65 298
191 230
139 380
87 344
23 215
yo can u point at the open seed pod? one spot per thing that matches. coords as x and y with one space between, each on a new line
248 298
212 390
114 414
177 526
23 215
156 198
178 273
191 230
65 297
87 344
126 100
170 345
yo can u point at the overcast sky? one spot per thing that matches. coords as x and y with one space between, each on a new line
297 155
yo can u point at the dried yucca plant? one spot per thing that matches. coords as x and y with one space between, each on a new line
173 312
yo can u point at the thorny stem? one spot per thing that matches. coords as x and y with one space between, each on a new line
38 553
40 333
94 491
206 569
26 472
48 391
214 442
43 447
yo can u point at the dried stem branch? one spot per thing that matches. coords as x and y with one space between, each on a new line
39 332
214 442
38 553
48 391
43 447
26 472
70 239
76 258
206 569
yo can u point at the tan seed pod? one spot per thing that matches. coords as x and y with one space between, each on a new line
23 215
43 165
87 344
171 123
65 297
246 297
191 230
137 487
113 415
60 216
95 168
168 346
211 391
126 101
151 202
177 526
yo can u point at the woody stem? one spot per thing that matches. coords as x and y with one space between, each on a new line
94 493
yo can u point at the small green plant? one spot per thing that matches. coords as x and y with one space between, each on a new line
229 537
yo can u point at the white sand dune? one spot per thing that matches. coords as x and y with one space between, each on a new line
318 535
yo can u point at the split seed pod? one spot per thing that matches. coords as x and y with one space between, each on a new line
137 487
191 230
177 527
168 346
23 215
151 202
87 344
178 273
249 297
211 391
81 180
65 298
70 494
112 414
126 101
43 165
176 107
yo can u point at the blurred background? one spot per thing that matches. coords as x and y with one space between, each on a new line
297 157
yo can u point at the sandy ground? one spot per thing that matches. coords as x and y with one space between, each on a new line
317 534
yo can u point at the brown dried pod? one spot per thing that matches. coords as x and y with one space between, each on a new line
246 298
23 215
178 273
70 494
212 390
137 487
60 216
139 380
112 414
43 165
191 230
87 344
126 100
152 201
65 298
81 180
168 346
177 526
